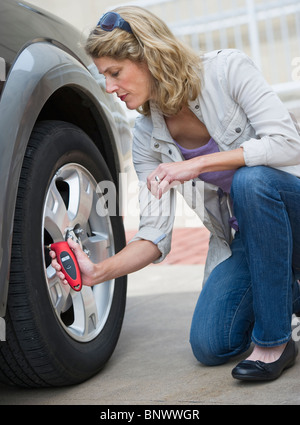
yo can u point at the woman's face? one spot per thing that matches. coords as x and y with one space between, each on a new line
131 81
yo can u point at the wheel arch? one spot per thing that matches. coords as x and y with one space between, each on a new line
71 104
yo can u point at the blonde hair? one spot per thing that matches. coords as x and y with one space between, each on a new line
175 68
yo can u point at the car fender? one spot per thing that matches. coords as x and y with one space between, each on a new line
39 70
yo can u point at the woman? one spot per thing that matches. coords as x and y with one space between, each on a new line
210 126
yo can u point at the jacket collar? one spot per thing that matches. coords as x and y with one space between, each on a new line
160 129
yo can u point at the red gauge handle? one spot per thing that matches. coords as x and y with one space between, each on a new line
68 263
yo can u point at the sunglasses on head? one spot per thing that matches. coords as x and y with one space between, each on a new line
111 20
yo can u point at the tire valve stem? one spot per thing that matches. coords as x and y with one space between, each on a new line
69 266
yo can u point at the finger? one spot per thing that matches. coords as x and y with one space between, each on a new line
153 179
55 265
72 244
76 248
158 188
61 276
52 254
153 187
162 188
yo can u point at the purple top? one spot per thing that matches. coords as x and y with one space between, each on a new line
222 179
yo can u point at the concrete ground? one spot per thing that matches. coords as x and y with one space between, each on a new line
153 363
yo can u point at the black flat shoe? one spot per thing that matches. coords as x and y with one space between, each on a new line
249 370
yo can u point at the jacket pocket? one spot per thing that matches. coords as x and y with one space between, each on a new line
236 129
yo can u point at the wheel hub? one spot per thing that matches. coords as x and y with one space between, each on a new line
70 212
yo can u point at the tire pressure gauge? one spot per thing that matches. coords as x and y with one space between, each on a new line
69 266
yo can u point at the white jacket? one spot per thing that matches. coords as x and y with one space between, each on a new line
238 108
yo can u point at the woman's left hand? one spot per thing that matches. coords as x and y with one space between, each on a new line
170 174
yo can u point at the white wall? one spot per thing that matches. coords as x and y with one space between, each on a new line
84 14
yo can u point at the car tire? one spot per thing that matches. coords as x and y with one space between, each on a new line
54 335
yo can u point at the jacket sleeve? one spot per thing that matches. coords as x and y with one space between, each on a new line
156 216
278 142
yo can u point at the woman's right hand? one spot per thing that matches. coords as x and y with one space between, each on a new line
131 258
86 266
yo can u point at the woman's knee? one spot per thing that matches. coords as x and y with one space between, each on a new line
204 352
205 346
211 352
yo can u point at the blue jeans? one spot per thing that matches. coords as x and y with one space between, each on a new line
252 294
